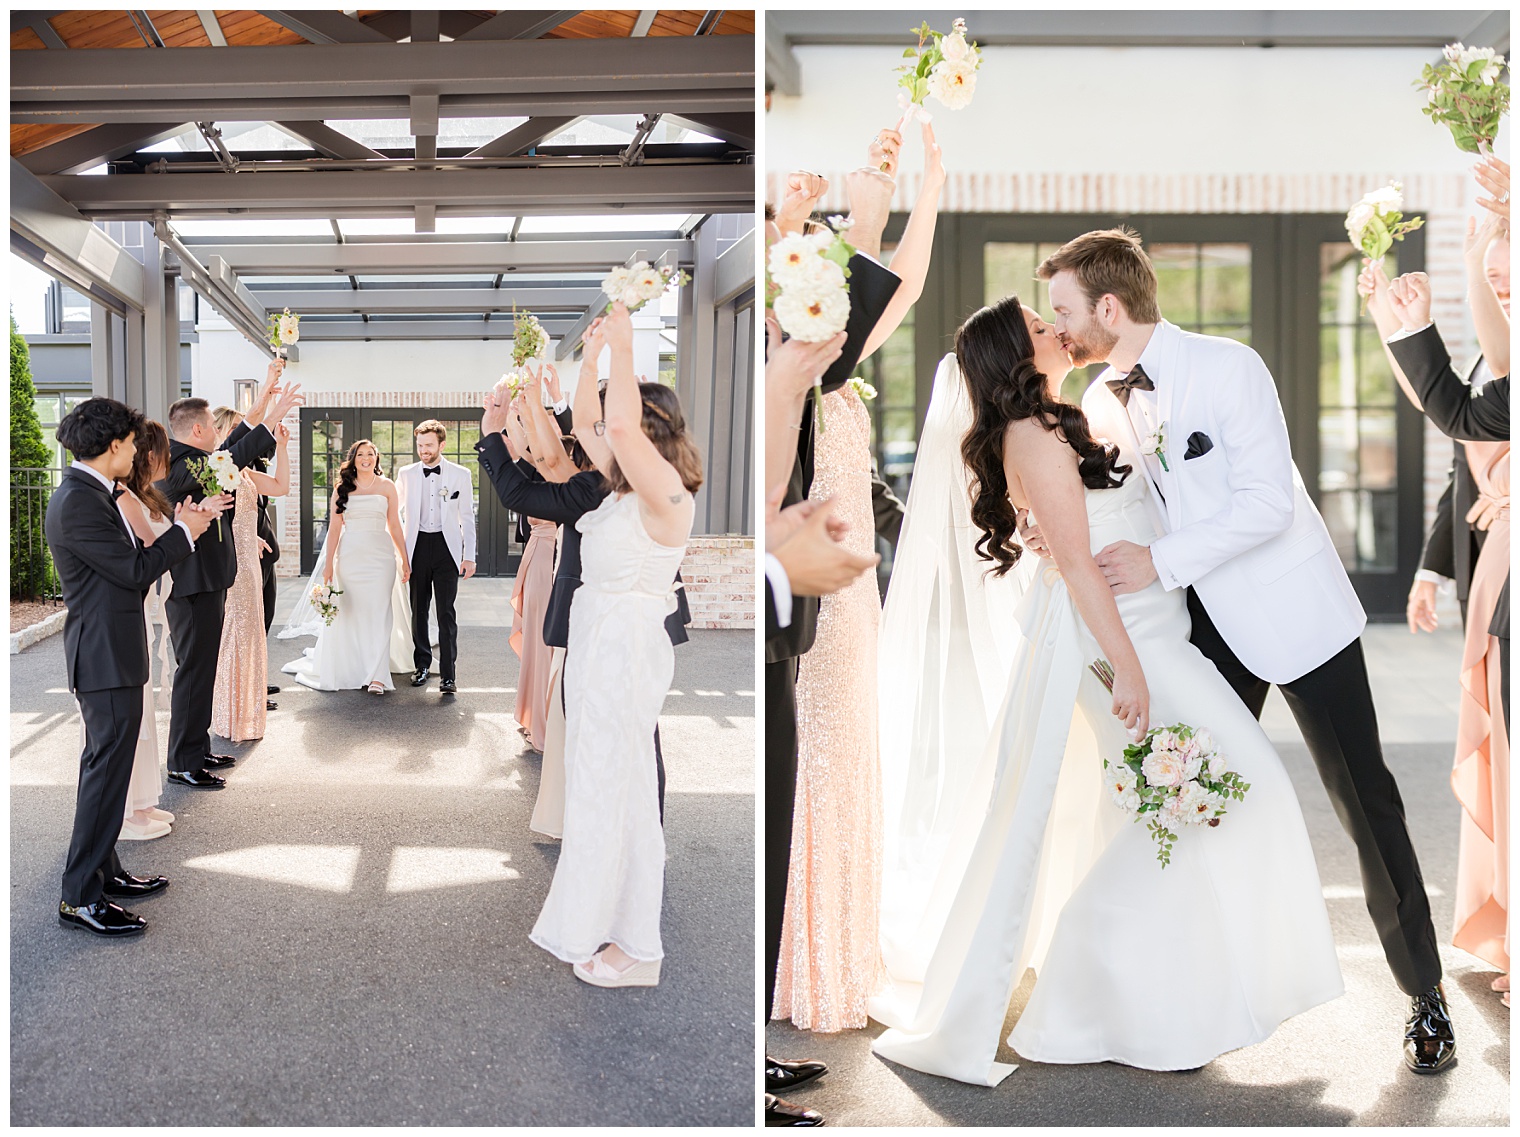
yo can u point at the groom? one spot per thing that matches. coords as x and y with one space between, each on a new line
438 515
1270 601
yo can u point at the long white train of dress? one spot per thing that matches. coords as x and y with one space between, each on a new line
1162 969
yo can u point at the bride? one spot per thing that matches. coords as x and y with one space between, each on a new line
1159 968
360 556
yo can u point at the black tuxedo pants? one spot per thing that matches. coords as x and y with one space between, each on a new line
195 626
111 721
270 588
1333 707
434 575
780 795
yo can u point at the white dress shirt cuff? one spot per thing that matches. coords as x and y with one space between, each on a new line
781 589
561 407
188 536
1405 333
1432 576
1164 573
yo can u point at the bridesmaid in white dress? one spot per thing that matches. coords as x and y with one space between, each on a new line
602 913
363 549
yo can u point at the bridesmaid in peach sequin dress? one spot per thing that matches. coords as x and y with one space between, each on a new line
1480 777
530 600
242 666
830 959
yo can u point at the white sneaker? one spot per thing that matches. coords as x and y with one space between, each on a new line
143 830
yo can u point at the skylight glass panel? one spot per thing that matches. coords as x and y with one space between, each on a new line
245 227
475 224
606 223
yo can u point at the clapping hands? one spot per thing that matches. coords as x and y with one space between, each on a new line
805 538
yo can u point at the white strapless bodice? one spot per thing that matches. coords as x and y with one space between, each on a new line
366 512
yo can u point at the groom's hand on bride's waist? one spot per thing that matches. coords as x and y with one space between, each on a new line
1127 567
1031 536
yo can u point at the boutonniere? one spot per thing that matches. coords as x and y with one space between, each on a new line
1155 443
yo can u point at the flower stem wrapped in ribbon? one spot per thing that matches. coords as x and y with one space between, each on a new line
944 65
640 283
284 330
1465 94
1377 221
1172 778
216 475
528 337
806 285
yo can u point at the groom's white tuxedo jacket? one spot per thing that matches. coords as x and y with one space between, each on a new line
458 515
1239 527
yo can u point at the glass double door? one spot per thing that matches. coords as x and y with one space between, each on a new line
328 432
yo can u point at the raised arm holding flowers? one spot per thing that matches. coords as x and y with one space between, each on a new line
1465 94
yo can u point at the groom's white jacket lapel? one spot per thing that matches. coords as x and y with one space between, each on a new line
1240 528
458 512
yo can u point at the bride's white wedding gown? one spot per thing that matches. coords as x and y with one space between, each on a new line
1163 969
370 637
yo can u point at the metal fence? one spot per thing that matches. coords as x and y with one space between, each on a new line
32 574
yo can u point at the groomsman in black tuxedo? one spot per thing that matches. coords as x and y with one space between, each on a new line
201 581
106 575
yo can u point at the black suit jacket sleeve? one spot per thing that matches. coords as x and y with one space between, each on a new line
96 536
563 503
1449 402
886 508
565 419
247 445
1439 555
872 286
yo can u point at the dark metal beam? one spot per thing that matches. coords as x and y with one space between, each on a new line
421 258
52 235
102 144
473 329
782 70
326 27
418 301
44 30
349 193
518 25
521 139
20 19
325 140
424 25
737 129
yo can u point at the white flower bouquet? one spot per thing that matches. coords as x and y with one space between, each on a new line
1175 777
1377 221
515 382
528 337
944 65
639 283
324 598
217 474
1465 94
284 330
807 286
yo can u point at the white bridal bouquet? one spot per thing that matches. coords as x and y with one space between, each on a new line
324 598
1465 94
1175 776
528 337
284 330
806 285
217 474
1377 221
640 283
944 66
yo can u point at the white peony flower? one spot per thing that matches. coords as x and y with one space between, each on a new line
813 314
797 262
1162 767
1216 767
1356 221
1205 741
290 328
954 46
1195 803
1453 52
1389 199
1165 739
953 83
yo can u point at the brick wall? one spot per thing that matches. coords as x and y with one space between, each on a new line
719 571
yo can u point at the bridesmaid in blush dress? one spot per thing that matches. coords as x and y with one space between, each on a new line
530 600
1480 776
240 701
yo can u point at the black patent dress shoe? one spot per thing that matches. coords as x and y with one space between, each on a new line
420 676
217 761
448 687
1430 1043
273 689
103 918
125 884
783 1075
271 705
198 779
780 1112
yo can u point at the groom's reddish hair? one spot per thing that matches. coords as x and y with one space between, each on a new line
1109 262
432 426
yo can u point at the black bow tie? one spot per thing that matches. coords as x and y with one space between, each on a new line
1137 379
117 492
429 471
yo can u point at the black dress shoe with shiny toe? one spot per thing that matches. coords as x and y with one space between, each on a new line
197 779
448 687
1430 1043
779 1112
103 918
420 676
125 884
783 1075
217 761
271 705
273 689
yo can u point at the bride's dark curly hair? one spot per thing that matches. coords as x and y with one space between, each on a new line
996 357
348 473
